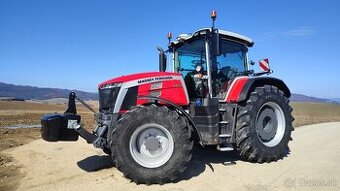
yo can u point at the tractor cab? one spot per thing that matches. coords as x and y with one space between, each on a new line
209 59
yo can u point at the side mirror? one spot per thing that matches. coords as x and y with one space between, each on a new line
162 59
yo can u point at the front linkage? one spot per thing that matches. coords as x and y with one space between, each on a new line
68 126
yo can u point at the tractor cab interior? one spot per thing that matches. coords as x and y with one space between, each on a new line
229 64
190 60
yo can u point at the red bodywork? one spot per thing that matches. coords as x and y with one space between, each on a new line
138 76
171 90
166 85
169 86
235 89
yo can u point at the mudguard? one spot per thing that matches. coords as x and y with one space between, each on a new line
158 99
252 83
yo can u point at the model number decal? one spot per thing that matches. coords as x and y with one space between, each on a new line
72 124
155 79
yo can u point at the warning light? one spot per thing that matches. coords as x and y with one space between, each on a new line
169 35
213 15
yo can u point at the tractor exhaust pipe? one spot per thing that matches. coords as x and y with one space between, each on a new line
162 59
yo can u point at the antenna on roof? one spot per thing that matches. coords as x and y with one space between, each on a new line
213 18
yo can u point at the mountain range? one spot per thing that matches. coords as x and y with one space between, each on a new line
304 98
37 93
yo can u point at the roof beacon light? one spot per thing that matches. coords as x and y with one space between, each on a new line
213 17
169 36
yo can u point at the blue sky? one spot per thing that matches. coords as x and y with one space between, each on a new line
78 44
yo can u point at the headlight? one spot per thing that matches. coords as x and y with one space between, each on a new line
115 85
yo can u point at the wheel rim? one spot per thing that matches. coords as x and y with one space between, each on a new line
151 145
270 124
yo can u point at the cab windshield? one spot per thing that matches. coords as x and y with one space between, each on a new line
190 60
190 55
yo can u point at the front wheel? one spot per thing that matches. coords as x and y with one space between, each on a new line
264 125
151 144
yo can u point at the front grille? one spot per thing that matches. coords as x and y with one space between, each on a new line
107 98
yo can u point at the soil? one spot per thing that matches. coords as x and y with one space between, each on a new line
10 171
16 137
13 173
311 164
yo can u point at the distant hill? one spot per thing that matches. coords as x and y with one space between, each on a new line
304 98
37 93
335 99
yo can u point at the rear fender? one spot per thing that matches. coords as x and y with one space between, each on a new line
252 83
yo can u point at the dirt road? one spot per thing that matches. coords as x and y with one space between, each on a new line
311 165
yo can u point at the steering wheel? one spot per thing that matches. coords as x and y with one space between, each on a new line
225 71
228 72
195 62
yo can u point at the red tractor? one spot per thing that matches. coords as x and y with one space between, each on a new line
149 122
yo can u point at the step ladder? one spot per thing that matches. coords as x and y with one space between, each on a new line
225 148
224 136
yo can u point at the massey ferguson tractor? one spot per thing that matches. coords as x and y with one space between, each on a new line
149 122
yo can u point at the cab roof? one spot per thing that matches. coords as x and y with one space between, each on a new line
227 35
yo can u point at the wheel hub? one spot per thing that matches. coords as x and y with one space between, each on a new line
267 124
152 143
270 124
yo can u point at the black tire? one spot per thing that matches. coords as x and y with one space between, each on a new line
248 136
174 123
107 151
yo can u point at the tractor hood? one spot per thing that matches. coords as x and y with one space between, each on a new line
147 76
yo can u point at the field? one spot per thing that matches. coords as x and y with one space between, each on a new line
311 113
15 113
25 113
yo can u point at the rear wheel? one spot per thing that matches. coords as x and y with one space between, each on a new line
264 125
151 144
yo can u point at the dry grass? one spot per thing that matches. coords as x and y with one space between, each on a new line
310 113
13 113
16 113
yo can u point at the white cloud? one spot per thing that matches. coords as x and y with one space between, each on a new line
293 33
301 31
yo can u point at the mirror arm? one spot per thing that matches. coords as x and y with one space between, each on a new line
262 73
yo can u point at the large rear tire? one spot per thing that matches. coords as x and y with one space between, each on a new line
151 144
264 125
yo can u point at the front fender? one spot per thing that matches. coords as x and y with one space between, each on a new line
184 113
